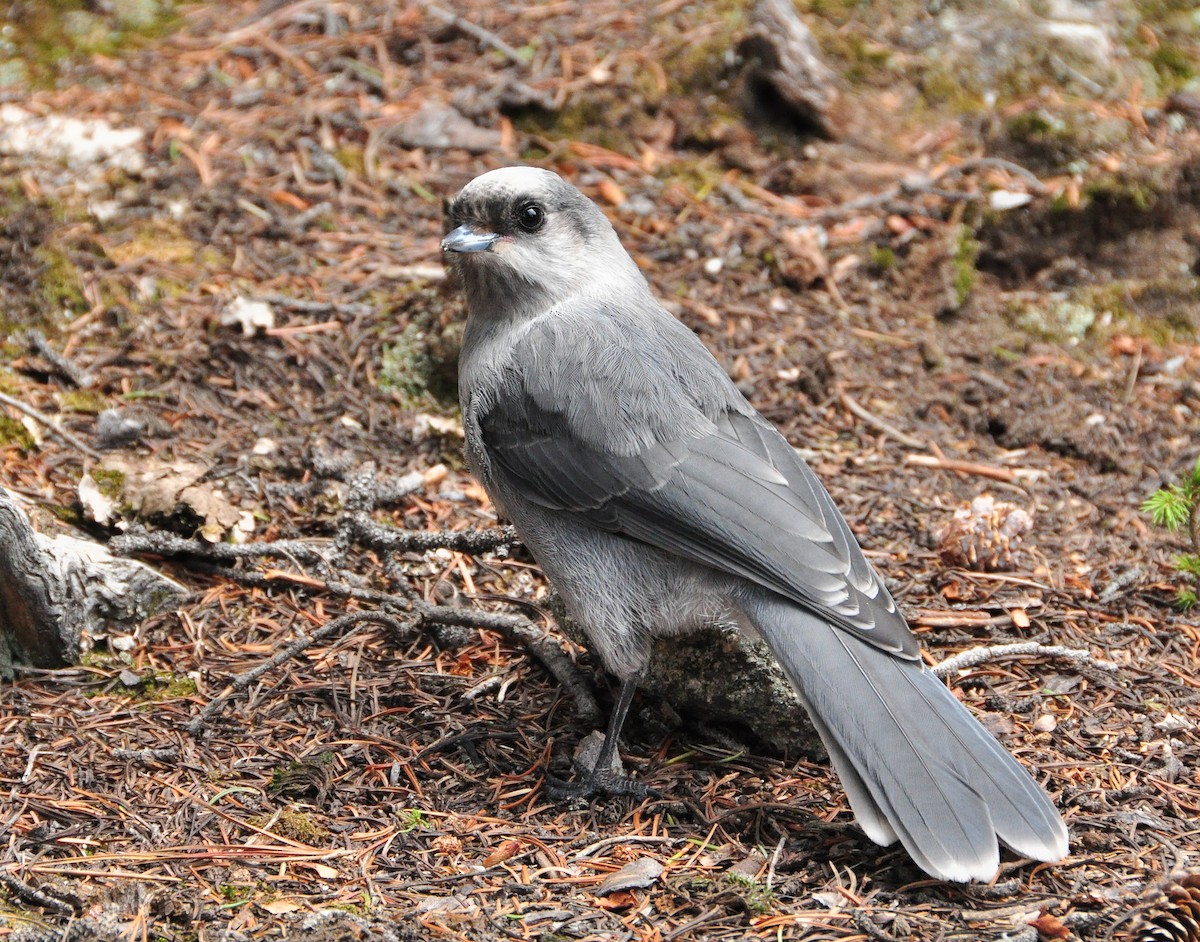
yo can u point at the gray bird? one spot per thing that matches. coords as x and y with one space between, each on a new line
657 499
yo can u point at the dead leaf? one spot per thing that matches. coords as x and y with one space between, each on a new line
748 867
153 488
213 506
277 907
1050 927
638 875
324 871
505 851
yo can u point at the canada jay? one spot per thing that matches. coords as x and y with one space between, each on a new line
657 499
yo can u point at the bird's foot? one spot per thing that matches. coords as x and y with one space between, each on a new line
593 783
598 771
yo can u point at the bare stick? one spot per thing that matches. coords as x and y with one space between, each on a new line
45 420
982 655
868 927
886 427
29 894
40 345
392 539
929 187
242 681
478 32
527 634
372 535
165 754
994 163
1007 475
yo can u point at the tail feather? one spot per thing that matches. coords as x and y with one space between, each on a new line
915 764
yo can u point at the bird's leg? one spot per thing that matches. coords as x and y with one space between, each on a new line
600 778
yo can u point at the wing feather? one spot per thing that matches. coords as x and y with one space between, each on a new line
714 482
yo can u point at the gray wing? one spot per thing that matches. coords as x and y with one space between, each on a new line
633 426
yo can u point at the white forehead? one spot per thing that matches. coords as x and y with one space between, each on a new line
526 179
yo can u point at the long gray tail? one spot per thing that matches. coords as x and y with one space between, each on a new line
915 764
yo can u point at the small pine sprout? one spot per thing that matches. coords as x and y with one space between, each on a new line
1168 506
1177 507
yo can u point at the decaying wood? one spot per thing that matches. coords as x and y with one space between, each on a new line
783 54
58 592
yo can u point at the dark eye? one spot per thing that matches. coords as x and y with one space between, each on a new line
531 217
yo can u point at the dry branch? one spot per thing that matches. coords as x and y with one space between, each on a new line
49 424
982 655
242 681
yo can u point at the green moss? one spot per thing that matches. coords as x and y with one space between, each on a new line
157 687
758 899
420 364
352 159
593 115
304 776
84 401
966 251
235 894
47 36
178 687
1173 63
863 61
405 366
109 482
881 258
293 824
698 67
159 241
1160 310
941 86
60 287
1121 193
12 432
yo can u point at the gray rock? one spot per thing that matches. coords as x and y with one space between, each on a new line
720 675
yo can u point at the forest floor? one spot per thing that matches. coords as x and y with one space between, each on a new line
923 344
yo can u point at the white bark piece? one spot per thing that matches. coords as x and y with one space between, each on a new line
58 593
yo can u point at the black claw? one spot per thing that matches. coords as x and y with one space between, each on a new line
593 783
601 778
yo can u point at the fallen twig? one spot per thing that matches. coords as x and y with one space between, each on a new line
29 894
393 540
165 754
477 32
45 420
40 345
929 187
1007 475
981 655
887 428
867 926
527 634
242 681
994 163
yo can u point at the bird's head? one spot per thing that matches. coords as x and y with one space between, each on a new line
523 240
